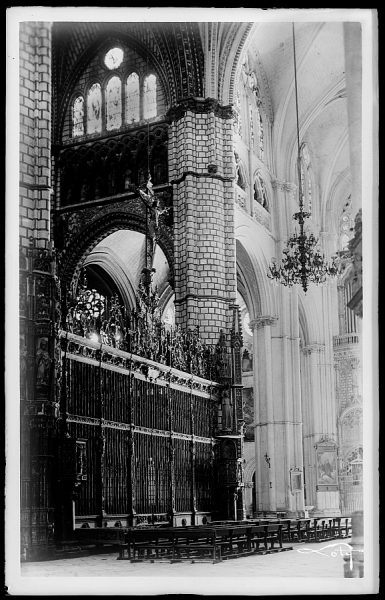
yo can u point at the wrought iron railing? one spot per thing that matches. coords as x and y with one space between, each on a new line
143 333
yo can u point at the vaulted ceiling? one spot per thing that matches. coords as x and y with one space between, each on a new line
322 97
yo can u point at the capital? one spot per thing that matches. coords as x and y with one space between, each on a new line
313 348
262 321
285 186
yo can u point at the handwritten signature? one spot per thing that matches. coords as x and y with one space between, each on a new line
340 549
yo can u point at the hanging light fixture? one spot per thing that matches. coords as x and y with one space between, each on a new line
302 261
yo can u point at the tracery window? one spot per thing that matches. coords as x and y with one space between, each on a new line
260 192
113 97
104 106
94 109
78 117
114 57
149 97
132 98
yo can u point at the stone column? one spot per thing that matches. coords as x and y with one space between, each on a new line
201 172
319 426
263 411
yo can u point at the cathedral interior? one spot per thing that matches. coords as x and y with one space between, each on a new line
166 375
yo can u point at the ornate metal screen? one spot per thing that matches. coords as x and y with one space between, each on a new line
147 440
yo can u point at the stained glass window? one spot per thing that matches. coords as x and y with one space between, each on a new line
94 109
78 117
132 98
113 104
149 97
113 58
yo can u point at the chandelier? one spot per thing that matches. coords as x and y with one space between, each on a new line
302 262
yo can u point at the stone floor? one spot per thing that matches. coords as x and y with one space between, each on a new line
250 575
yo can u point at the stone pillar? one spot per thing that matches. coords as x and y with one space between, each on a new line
37 308
320 433
201 172
35 131
263 414
278 415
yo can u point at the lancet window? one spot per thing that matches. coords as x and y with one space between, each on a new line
149 97
94 109
113 97
132 98
126 98
78 116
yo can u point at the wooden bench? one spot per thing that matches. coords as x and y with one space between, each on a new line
233 541
196 546
346 527
197 543
136 542
171 545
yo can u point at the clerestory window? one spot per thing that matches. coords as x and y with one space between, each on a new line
113 96
132 98
78 116
94 109
124 99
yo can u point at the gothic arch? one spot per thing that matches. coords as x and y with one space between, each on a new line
233 44
249 469
247 282
310 316
110 262
253 268
87 238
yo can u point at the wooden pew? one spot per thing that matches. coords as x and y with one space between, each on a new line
346 527
139 542
172 545
196 545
